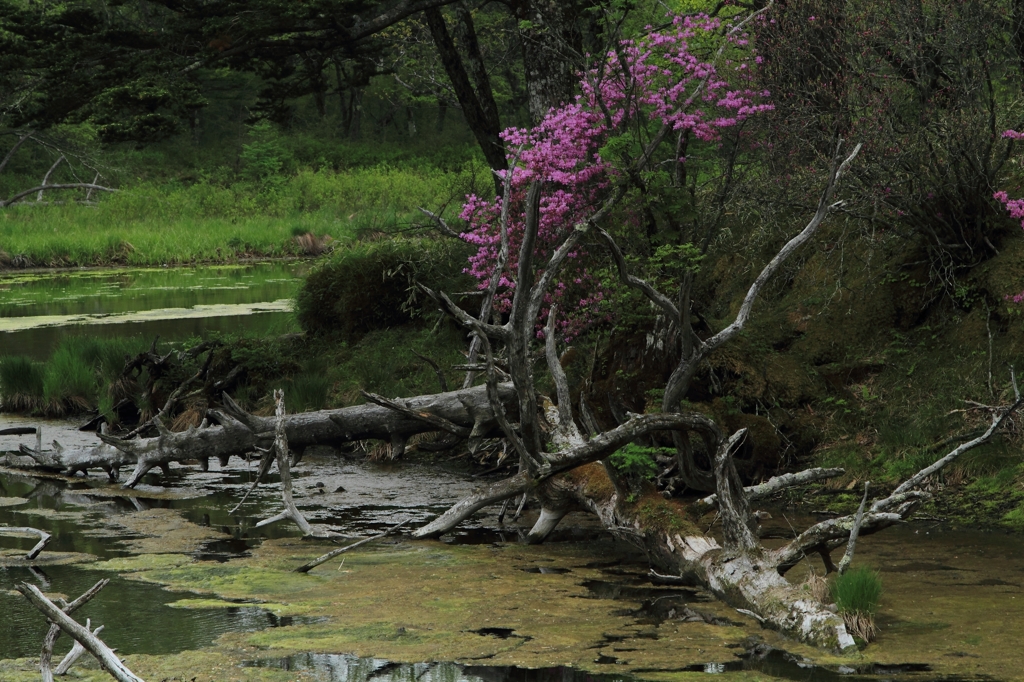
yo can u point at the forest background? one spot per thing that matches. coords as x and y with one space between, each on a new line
874 351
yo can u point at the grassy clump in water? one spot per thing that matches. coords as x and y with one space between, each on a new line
69 384
308 390
76 378
856 594
21 383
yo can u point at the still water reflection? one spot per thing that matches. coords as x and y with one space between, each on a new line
36 309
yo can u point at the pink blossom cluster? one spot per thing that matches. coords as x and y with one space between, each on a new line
1014 206
656 78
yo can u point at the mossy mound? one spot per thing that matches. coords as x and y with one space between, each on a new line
372 285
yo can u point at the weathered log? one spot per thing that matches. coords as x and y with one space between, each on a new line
94 645
72 460
238 432
43 536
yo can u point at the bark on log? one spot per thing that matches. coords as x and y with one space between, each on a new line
238 432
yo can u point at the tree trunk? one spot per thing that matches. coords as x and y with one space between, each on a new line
478 104
551 52
356 116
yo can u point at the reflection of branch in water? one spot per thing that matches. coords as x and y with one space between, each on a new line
40 575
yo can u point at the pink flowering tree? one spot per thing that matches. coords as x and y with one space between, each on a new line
642 105
590 169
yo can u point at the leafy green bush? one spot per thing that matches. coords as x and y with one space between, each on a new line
371 285
857 591
637 465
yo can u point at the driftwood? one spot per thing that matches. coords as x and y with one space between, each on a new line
306 568
43 536
107 659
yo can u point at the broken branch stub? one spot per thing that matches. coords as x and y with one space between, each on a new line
54 632
281 449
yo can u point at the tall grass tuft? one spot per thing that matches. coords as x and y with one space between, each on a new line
84 373
69 381
856 594
21 383
307 391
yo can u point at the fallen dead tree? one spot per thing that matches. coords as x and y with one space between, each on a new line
234 432
557 464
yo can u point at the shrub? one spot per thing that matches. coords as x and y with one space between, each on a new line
637 465
371 285
636 461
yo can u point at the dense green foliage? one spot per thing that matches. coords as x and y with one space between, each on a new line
636 461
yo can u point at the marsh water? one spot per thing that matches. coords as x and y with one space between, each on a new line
37 308
186 571
951 595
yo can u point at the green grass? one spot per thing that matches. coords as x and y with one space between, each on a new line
857 591
21 383
156 223
69 382
75 378
309 389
